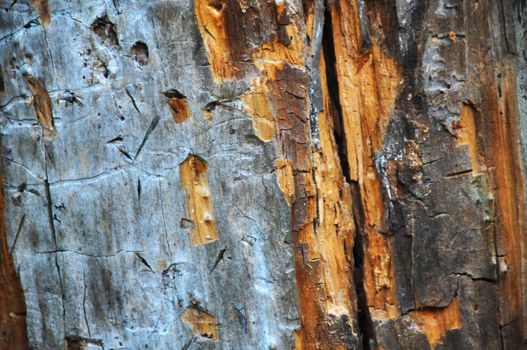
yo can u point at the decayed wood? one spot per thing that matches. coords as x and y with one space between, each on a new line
341 174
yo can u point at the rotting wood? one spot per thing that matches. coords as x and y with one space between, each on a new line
368 83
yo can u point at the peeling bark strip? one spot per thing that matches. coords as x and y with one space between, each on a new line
193 172
43 106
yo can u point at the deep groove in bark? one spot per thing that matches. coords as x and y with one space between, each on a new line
364 319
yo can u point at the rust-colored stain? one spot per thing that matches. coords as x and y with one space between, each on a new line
43 10
12 303
193 172
503 155
435 322
202 323
43 105
178 105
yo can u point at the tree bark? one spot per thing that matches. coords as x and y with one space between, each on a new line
256 174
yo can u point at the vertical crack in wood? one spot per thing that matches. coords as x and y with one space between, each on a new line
364 319
53 232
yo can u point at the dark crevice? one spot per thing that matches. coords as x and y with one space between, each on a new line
143 261
219 258
365 322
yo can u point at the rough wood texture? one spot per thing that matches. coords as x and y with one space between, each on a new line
257 174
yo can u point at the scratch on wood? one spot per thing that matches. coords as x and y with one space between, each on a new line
151 128
22 221
219 258
143 260
133 101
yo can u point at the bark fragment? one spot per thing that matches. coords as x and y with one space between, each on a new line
256 104
43 106
203 324
178 105
198 200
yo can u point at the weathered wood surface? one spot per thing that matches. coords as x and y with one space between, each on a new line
263 174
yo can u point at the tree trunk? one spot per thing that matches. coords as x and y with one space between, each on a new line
256 174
